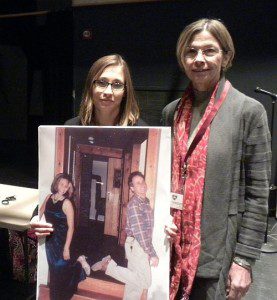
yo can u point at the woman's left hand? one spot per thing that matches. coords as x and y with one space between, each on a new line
239 281
66 254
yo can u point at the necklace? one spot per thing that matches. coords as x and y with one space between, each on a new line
56 199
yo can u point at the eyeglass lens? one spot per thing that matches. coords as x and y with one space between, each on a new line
208 52
103 84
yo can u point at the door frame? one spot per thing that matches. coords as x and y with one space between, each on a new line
91 150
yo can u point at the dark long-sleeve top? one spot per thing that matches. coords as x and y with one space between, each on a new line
140 223
77 121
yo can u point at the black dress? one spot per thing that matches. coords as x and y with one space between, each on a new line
64 274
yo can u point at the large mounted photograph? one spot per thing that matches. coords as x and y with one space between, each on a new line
106 190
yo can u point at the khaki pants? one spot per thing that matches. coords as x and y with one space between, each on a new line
137 276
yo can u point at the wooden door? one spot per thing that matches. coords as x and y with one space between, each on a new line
125 197
131 164
92 150
113 196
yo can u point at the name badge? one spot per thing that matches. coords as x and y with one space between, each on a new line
176 201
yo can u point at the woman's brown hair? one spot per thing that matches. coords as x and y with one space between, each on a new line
216 28
129 111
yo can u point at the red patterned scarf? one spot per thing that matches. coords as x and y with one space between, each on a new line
186 247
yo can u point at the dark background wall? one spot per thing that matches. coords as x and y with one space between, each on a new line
44 59
146 35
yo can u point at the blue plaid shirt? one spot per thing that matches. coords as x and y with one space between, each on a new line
140 223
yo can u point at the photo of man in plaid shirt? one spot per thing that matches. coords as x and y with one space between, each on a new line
139 249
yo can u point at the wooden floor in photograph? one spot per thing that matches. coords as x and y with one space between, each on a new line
91 288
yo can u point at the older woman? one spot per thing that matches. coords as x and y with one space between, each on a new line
221 166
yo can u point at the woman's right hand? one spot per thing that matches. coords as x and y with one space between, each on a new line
66 254
41 228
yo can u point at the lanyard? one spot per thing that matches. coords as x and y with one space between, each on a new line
204 127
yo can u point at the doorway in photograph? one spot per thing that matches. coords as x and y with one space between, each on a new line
99 205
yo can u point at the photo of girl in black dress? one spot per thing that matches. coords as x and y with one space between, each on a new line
65 272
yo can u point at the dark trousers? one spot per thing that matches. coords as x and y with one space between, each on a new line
203 289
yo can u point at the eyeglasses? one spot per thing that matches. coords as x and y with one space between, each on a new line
207 53
103 84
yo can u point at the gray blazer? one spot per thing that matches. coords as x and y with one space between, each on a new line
235 200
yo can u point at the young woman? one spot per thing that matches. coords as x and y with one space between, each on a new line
109 97
108 100
65 273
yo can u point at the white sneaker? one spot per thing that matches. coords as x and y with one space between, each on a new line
99 265
82 260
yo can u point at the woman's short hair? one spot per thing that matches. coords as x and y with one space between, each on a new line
216 28
129 111
55 183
